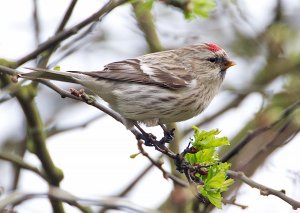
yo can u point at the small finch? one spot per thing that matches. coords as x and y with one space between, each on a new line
157 88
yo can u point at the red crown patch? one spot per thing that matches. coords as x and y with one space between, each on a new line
213 47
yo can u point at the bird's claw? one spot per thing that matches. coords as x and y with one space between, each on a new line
148 138
168 136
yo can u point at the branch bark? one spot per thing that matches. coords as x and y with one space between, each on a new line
264 190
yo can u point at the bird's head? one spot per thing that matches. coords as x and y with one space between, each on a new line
211 61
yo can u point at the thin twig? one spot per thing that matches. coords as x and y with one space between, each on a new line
5 98
159 166
264 190
55 130
73 44
270 144
63 93
36 22
9 71
43 60
67 16
259 131
232 201
132 184
55 193
109 6
16 160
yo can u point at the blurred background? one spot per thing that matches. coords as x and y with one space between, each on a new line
93 150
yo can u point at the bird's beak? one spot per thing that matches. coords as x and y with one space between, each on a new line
228 64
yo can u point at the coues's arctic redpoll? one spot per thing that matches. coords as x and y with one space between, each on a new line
162 87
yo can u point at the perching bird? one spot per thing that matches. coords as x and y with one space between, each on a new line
156 88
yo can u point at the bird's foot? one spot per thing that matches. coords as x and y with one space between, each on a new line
149 139
168 136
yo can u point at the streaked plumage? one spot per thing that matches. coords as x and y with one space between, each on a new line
165 87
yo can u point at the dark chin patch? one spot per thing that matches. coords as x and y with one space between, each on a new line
222 73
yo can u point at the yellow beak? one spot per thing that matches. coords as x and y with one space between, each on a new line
228 64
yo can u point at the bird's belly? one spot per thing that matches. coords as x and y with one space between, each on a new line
155 105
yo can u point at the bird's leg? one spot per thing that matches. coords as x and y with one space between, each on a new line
168 134
147 137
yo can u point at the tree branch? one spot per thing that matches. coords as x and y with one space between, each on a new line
67 16
264 190
43 60
67 33
55 130
36 134
145 22
16 160
55 193
36 22
159 166
259 131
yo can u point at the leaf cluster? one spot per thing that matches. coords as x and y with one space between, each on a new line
215 181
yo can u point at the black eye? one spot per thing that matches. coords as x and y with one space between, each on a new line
212 60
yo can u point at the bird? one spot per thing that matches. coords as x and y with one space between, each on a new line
155 88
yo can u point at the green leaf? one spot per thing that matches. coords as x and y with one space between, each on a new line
191 158
216 182
204 157
214 197
202 8
207 156
207 139
134 155
226 184
56 68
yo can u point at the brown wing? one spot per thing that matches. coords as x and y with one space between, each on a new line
159 69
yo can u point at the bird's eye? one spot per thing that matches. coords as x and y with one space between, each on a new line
212 60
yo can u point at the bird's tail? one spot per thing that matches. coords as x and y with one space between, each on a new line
39 74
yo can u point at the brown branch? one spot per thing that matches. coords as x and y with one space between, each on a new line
36 22
232 201
63 93
35 127
67 16
264 190
55 193
21 151
43 61
16 160
36 134
132 184
146 24
53 41
259 131
55 130
8 71
159 166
